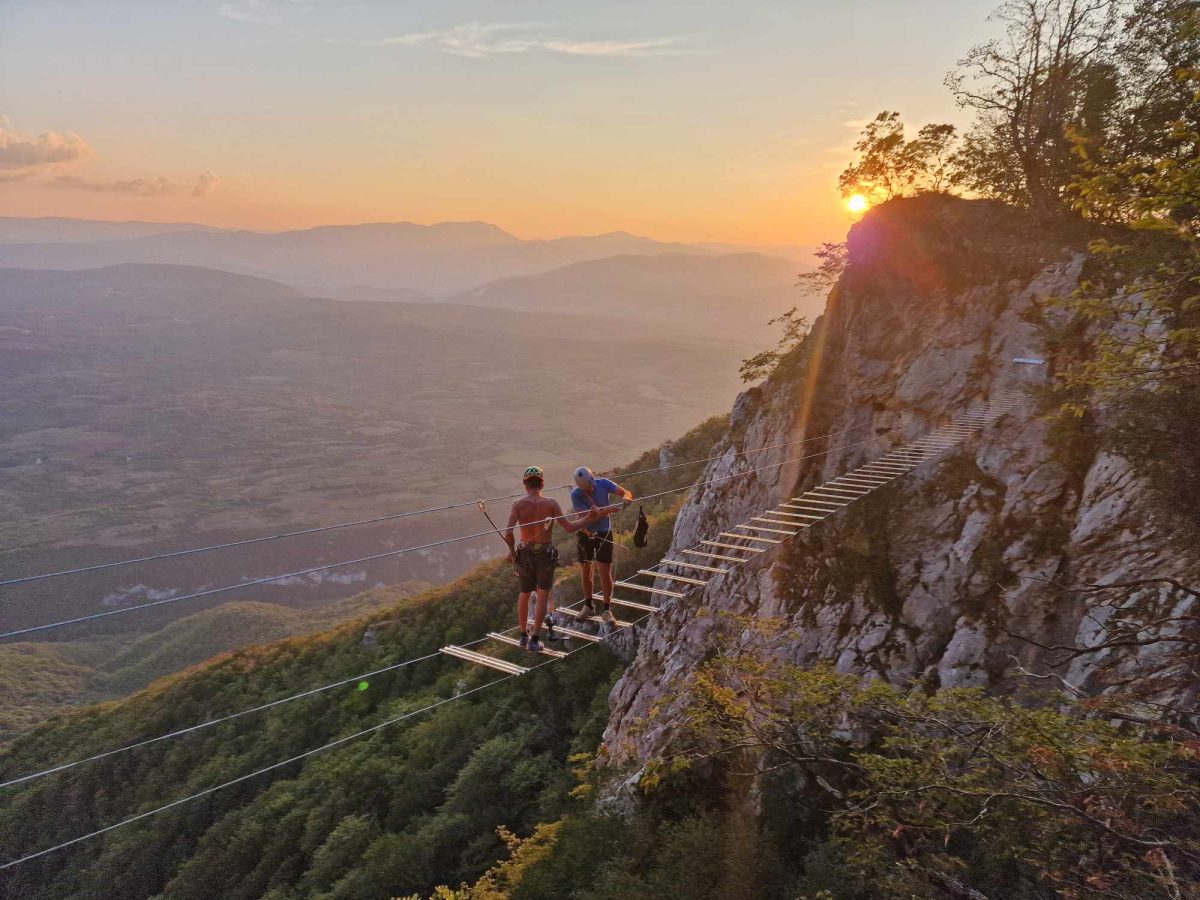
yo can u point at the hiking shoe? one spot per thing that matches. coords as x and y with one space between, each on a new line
607 617
535 646
524 640
551 634
584 611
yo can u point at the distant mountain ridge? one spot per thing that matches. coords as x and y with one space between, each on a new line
732 296
445 258
56 229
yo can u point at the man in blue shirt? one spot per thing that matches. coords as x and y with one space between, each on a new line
596 537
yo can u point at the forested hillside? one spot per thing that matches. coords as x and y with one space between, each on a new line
413 805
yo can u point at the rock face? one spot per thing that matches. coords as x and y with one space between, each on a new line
928 579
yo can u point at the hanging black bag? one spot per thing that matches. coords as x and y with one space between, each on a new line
639 533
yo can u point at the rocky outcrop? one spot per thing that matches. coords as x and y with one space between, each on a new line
927 580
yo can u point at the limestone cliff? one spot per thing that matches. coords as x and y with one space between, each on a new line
926 579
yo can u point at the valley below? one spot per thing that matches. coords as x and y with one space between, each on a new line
153 408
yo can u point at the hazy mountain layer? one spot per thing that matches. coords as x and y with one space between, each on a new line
443 258
731 296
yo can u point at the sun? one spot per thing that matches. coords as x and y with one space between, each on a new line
857 203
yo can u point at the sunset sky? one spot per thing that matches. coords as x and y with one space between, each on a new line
678 120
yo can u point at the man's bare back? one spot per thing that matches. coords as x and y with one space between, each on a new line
531 513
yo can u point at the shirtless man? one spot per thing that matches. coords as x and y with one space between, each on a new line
536 555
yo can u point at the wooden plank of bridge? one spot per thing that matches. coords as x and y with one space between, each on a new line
649 590
644 607
672 577
781 518
746 537
615 623
711 555
758 529
731 547
577 635
514 642
481 659
688 565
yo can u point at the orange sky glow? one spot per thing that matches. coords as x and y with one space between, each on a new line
691 122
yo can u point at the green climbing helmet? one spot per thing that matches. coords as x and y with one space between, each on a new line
533 472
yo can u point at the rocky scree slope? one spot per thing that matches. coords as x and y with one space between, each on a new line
927 580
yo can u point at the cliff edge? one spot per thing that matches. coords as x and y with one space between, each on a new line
939 578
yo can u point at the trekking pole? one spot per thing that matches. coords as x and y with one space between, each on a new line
483 509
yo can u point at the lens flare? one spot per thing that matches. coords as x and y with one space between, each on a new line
857 203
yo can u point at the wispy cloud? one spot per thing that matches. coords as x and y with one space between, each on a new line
158 186
259 12
480 40
53 159
206 183
23 156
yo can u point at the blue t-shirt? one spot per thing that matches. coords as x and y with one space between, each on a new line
581 503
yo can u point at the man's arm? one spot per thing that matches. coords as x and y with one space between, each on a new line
627 496
582 519
581 515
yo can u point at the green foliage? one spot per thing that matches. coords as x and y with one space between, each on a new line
37 678
763 365
1132 328
1144 313
834 257
1049 74
932 794
1065 80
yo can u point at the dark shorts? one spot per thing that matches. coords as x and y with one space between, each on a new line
596 547
535 567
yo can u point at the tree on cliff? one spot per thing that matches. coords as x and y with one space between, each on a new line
886 165
1070 78
1048 76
